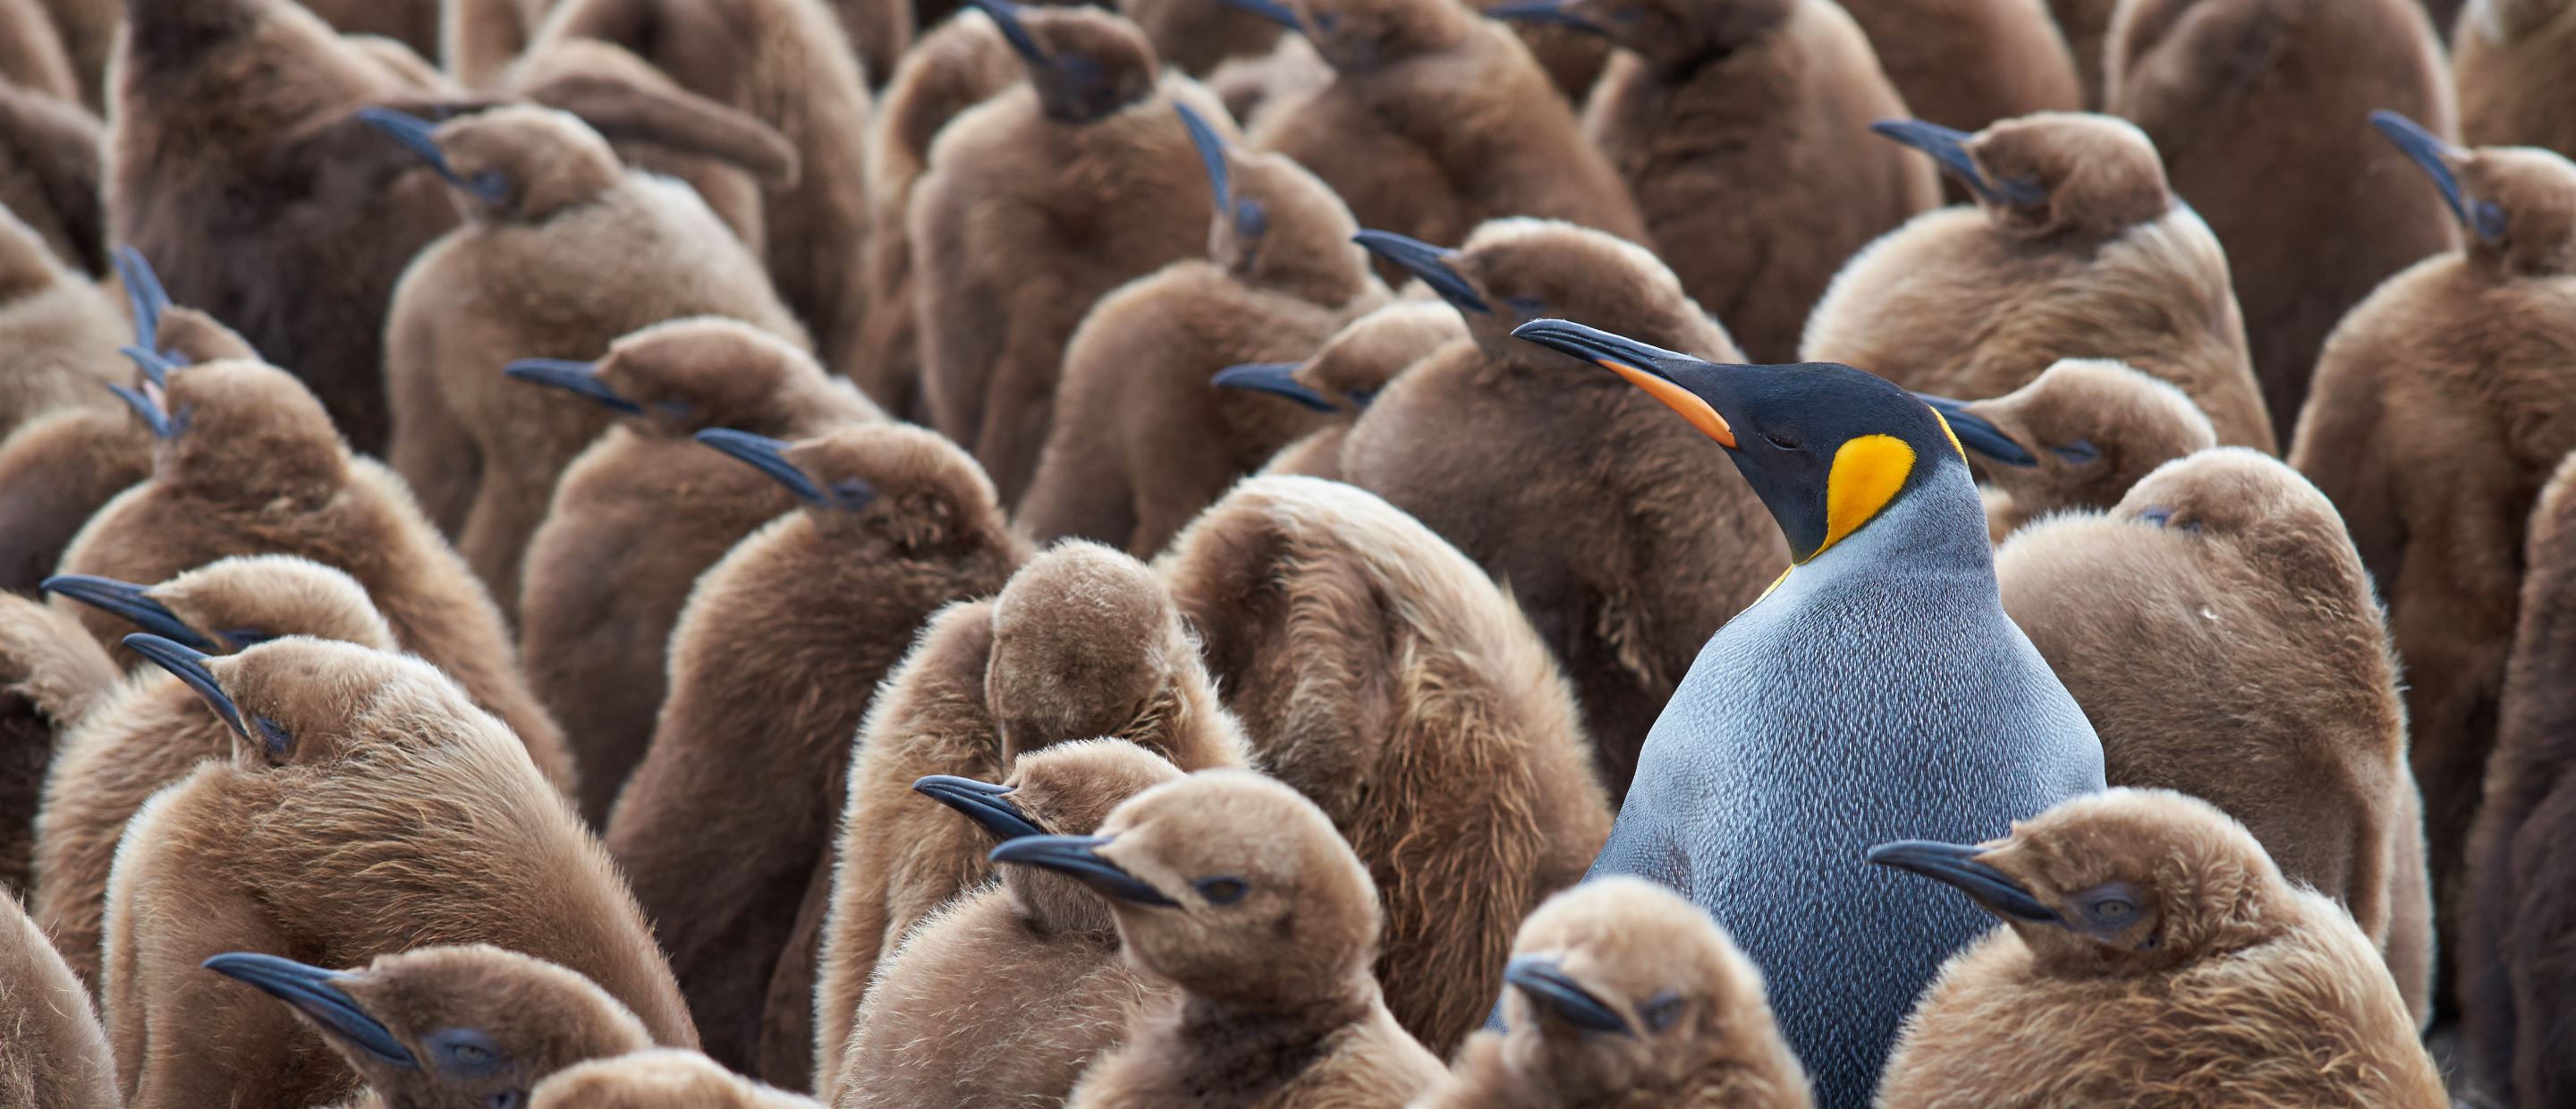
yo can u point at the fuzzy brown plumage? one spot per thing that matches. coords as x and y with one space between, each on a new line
2093 427
53 1054
32 55
1974 302
2261 108
1743 130
2223 983
1382 673
726 828
2508 58
1355 365
52 674
381 811
2219 573
1197 35
2086 24
659 1080
1969 63
58 333
50 176
87 29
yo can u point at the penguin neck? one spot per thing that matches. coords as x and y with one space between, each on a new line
1937 527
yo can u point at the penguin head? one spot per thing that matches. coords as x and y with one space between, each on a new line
676 378
1276 225
1512 271
1362 36
2253 513
1674 36
1357 362
511 164
2118 882
2050 174
2078 435
468 1027
881 488
1085 63
233 603
1229 884
1086 642
242 433
1062 790
2516 205
1827 447
298 701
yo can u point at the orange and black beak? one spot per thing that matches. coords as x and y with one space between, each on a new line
1643 365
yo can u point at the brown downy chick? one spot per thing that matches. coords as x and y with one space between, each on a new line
2260 106
1738 127
247 464
1038 202
1199 35
1084 642
725 830
2086 25
1236 891
449 1027
2509 60
478 39
2077 437
1969 63
2441 405
580 75
949 1018
154 730
368 808
1346 374
1574 59
1384 675
53 1053
565 250
1626 540
1623 993
659 1080
52 675
51 182
1438 120
638 516
2075 248
58 333
2150 954
2223 572
1141 441
1247 85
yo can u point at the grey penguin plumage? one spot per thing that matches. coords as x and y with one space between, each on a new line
1878 683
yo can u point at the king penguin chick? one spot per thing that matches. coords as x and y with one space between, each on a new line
1624 994
248 464
1197 35
948 1020
1968 63
58 332
528 275
1345 375
2259 106
2151 955
1037 202
659 1080
53 1053
726 828
645 510
2514 90
2086 24
1234 889
2077 437
367 808
2218 572
1141 442
52 182
2075 248
1877 685
448 1027
1437 120
155 729
1084 642
1622 536
52 675
2441 404
1737 127
1381 673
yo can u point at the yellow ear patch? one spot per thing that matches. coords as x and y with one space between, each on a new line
1867 472
1678 399
1954 436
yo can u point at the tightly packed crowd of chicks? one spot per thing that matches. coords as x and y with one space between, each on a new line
1287 553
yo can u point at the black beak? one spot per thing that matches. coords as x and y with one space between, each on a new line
1006 15
156 366
579 378
984 803
1956 864
1211 147
1078 857
189 665
1548 986
1272 377
414 133
154 416
1271 10
2435 156
1978 433
1546 11
144 295
1950 148
1428 262
313 992
766 455
130 601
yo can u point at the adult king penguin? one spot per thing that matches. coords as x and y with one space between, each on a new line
1877 682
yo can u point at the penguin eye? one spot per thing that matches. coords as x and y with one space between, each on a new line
467 1053
1326 21
2111 908
2079 452
510 1099
491 185
1359 398
1222 891
1251 220
853 494
1661 1011
2491 221
273 736
1783 442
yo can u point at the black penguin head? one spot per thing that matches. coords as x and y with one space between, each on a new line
1826 446
1085 63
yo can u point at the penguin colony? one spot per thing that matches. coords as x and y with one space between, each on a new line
589 554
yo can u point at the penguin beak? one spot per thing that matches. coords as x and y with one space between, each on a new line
984 803
1278 13
1547 11
1640 363
1211 147
144 296
1950 148
156 367
416 134
1078 857
189 665
579 378
154 416
315 993
1006 15
1428 262
130 601
1272 377
2437 159
1556 993
1956 865
767 455
1978 433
